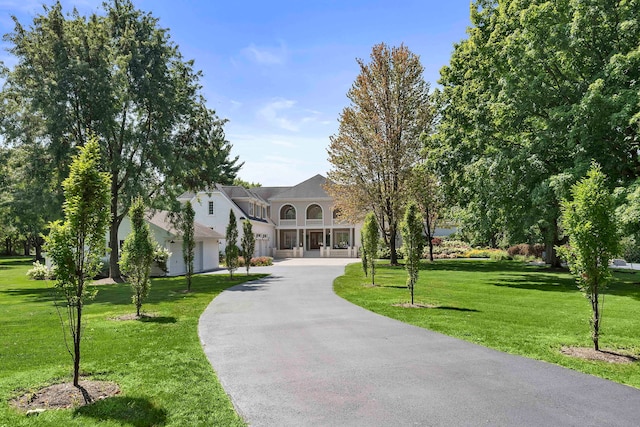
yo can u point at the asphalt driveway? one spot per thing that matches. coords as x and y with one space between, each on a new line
290 352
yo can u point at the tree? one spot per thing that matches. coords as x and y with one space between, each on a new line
117 76
138 254
589 221
231 250
247 243
246 184
425 192
536 92
412 227
378 141
77 245
187 230
370 235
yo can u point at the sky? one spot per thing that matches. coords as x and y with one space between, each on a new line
279 70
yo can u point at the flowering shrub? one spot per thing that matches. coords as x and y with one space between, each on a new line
160 256
436 241
526 250
261 261
39 272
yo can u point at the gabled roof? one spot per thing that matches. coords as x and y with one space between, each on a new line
268 192
309 189
161 219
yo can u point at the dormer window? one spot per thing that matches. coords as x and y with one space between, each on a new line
250 209
211 208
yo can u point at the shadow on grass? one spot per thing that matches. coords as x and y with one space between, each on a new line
34 294
445 307
158 319
16 261
130 411
539 282
482 265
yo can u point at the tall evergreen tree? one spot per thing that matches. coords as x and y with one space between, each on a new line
247 243
413 243
370 240
187 230
231 249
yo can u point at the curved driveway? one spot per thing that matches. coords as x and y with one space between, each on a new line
290 352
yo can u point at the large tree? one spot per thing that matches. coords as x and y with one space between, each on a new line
590 222
76 246
535 92
117 76
378 141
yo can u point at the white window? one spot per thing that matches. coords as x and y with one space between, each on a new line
264 212
250 209
211 208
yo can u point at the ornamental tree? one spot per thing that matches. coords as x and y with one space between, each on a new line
370 239
138 253
589 221
247 243
413 240
77 244
231 250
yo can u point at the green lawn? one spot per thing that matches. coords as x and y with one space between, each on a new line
513 307
164 376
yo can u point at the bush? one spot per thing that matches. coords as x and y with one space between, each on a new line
499 255
526 250
262 261
478 253
39 272
160 256
436 241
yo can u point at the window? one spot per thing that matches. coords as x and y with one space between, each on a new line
211 208
314 212
341 239
288 239
288 212
264 212
250 209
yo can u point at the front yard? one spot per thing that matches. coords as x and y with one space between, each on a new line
517 308
162 371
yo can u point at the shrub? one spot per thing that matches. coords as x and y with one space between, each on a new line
436 241
526 250
630 249
499 255
478 253
262 261
160 256
39 272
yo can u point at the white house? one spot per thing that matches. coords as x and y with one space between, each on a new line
207 249
298 221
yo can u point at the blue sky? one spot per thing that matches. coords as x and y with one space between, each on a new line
279 70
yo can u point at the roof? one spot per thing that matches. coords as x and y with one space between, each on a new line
162 220
266 193
313 188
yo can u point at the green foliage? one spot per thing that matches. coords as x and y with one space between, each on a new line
526 250
370 235
187 229
413 240
246 184
39 272
630 249
231 251
590 223
120 75
138 253
247 243
77 245
536 91
498 255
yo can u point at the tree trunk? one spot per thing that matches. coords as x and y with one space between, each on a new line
114 243
38 246
596 319
76 343
552 240
392 244
27 247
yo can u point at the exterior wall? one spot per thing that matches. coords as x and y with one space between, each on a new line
265 232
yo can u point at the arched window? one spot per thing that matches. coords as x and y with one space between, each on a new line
314 212
287 212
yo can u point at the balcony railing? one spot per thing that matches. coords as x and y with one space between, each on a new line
287 222
314 222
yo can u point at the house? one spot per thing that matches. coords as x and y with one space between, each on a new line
207 248
297 221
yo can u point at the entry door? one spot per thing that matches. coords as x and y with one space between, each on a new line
315 238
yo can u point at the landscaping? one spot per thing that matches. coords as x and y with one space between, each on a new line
158 363
529 310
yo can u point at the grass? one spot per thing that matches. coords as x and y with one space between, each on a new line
163 373
509 306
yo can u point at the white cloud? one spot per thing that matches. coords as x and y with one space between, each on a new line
272 114
266 55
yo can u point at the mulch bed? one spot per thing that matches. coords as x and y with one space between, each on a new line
415 305
65 395
132 316
603 355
